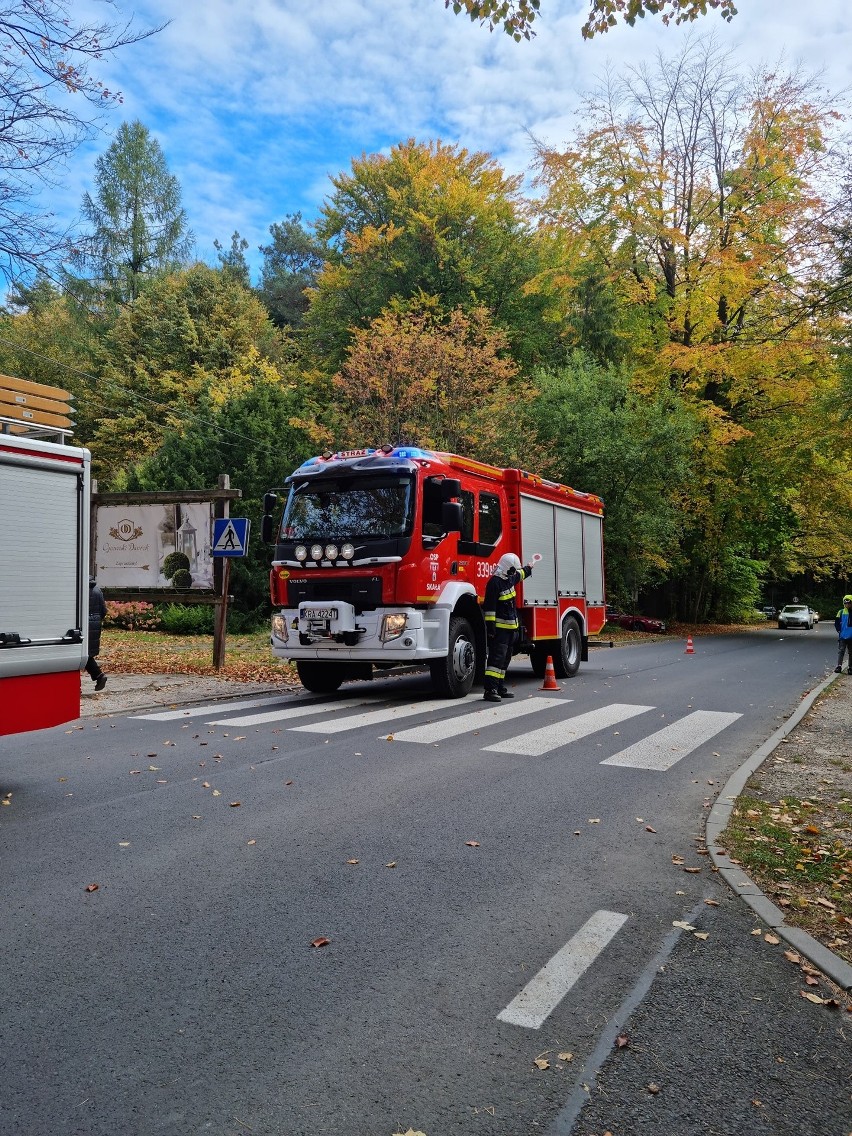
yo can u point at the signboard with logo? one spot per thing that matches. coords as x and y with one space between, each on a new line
133 541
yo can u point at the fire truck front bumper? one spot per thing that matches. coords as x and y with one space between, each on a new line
334 630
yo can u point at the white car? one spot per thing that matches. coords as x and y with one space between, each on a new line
796 615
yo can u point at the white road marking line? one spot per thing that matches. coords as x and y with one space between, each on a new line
287 712
374 717
547 738
210 707
543 993
665 748
475 720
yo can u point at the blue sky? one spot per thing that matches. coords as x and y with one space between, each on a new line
256 104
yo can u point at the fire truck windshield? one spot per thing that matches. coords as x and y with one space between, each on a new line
349 508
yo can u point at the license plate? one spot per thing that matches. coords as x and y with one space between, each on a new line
321 613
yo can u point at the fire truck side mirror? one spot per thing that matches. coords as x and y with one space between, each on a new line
267 522
450 487
452 517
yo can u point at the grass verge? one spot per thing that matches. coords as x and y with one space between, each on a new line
799 852
248 658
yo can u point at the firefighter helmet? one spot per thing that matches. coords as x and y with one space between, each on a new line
506 562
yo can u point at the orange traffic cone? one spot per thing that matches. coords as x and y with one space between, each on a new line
550 682
690 650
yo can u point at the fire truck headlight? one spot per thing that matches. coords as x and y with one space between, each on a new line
392 627
331 552
316 552
279 627
301 553
348 551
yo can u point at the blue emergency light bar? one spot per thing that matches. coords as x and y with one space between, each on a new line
408 452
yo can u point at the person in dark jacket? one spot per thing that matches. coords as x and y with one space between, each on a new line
97 611
501 624
843 627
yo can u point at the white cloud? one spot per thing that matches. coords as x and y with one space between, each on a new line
256 105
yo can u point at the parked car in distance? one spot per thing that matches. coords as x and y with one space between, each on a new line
796 615
769 611
815 615
638 623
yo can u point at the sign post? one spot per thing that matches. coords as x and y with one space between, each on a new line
230 539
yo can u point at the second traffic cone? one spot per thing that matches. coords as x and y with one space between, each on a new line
690 650
550 682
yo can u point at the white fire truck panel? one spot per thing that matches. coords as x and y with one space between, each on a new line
538 535
593 542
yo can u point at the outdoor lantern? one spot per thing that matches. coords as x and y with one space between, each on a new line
186 541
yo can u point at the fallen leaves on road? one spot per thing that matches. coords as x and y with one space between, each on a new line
353 861
92 887
472 843
622 1041
322 941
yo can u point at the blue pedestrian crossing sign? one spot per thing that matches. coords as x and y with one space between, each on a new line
230 536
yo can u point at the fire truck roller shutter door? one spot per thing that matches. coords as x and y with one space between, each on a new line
569 544
538 535
593 545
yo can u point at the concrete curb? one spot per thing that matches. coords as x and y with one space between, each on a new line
836 968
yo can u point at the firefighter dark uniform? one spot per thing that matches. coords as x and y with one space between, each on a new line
501 623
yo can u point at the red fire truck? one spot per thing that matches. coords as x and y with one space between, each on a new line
382 557
44 557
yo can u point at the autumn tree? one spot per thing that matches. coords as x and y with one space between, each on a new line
584 424
191 335
427 221
516 17
247 431
45 56
233 261
291 264
707 197
414 375
138 226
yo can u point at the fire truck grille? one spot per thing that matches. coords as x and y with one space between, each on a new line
363 593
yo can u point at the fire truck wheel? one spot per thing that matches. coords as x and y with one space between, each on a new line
453 676
320 678
566 662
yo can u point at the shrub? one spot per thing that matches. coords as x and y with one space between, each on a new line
175 562
133 616
182 578
179 619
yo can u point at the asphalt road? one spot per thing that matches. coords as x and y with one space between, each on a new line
183 995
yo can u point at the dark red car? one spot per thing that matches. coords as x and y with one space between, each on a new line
636 622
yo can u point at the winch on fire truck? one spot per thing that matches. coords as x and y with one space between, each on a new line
382 557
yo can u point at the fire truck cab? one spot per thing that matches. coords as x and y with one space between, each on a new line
382 557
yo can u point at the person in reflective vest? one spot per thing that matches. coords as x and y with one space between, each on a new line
843 627
501 623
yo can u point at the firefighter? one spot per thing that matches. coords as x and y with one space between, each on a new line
501 624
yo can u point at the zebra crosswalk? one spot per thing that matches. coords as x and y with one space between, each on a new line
658 751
